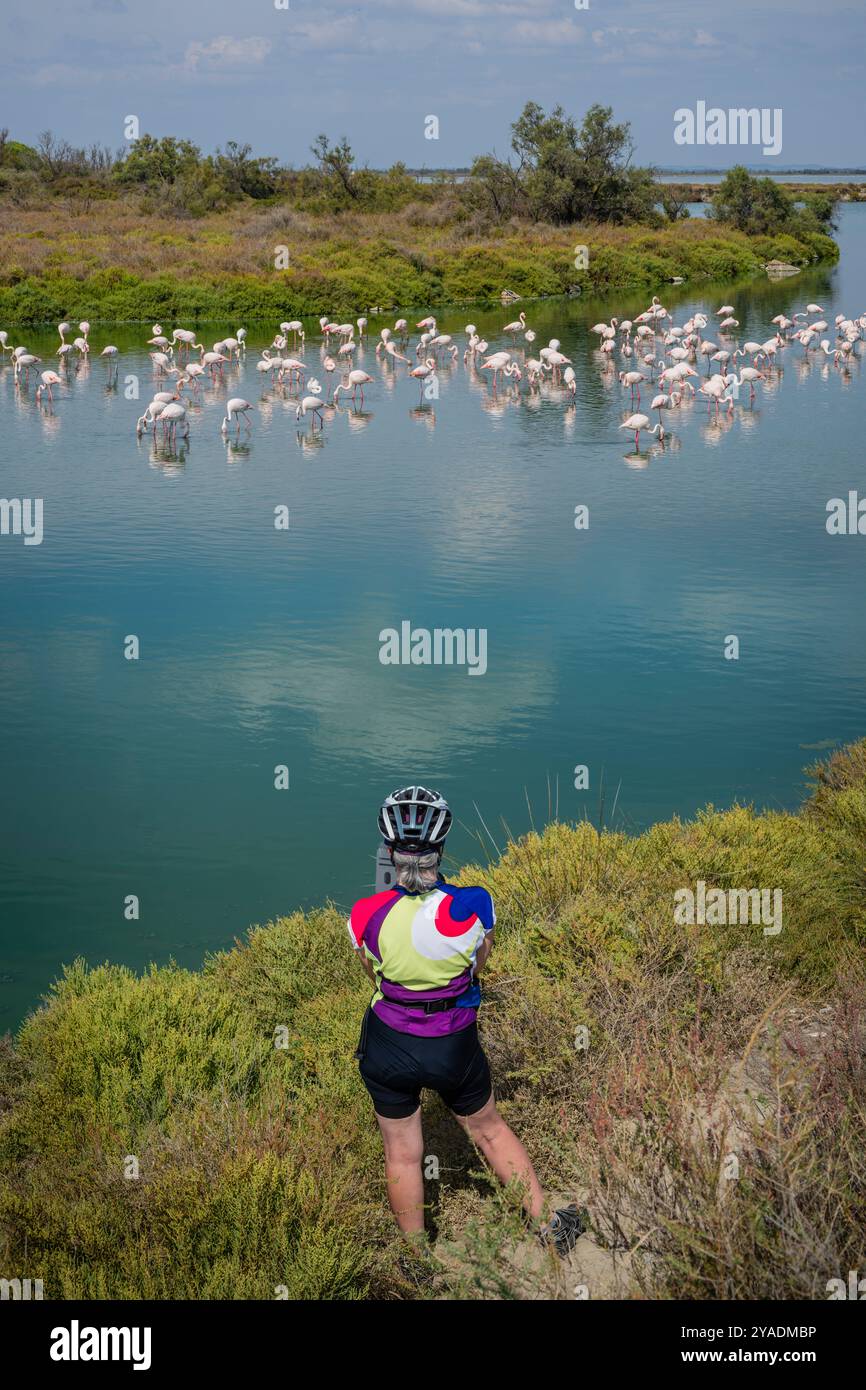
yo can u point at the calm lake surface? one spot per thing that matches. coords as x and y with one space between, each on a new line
261 647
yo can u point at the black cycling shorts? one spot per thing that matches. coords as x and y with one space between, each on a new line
395 1066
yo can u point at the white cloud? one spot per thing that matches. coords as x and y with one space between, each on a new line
546 33
225 52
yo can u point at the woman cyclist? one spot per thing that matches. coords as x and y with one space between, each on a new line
423 943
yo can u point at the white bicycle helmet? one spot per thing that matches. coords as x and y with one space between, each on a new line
414 819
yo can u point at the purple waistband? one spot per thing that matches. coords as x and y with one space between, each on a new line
396 993
423 1025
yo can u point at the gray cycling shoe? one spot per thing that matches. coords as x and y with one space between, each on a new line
564 1229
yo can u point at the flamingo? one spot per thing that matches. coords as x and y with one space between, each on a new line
632 379
641 422
355 379
63 329
391 350
236 407
748 374
496 362
192 372
311 404
517 326
46 381
706 350
715 390
554 358
748 349
158 404
24 360
660 403
293 365
422 373
170 417
213 362
186 338
267 364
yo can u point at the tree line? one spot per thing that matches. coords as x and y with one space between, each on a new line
556 171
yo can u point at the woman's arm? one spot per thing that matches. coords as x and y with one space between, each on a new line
368 966
483 953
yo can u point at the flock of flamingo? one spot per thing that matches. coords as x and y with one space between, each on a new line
663 355
684 345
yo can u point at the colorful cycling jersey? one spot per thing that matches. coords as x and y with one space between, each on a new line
423 947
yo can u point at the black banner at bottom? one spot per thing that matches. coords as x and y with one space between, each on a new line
159 1338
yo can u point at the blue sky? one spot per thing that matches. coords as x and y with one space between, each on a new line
215 70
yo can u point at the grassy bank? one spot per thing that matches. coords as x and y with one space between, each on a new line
106 260
258 1166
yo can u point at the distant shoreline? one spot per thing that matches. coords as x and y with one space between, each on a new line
757 169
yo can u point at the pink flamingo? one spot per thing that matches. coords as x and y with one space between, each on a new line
170 417
46 381
641 422
355 379
423 373
747 374
632 379
495 363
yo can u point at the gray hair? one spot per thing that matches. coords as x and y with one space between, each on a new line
417 872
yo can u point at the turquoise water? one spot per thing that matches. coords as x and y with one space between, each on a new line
261 647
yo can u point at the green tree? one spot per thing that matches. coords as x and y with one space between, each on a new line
15 155
243 175
337 163
495 189
564 173
750 204
152 161
674 199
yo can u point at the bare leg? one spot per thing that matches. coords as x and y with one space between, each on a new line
505 1153
404 1149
